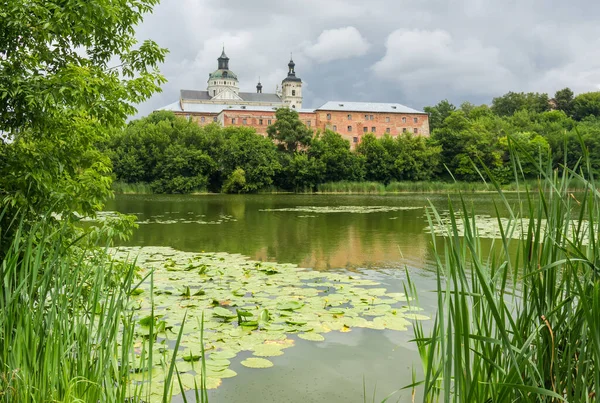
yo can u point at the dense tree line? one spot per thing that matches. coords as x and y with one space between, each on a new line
174 155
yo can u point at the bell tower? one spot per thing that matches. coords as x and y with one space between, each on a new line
291 88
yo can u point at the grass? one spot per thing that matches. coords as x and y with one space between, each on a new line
519 322
131 188
66 330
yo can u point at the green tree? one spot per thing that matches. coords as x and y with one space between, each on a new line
253 154
585 105
289 131
466 144
512 102
335 155
379 163
418 158
69 71
300 172
439 113
564 100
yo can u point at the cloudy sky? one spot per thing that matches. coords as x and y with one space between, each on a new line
414 52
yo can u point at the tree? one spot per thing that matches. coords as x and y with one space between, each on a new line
439 113
69 71
335 155
379 163
585 105
466 144
418 158
289 131
564 100
249 155
512 102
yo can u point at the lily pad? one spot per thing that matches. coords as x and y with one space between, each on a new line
311 336
253 362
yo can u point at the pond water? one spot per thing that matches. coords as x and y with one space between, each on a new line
374 237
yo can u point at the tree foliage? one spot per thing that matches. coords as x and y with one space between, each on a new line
289 131
69 71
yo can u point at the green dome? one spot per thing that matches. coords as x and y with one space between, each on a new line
226 74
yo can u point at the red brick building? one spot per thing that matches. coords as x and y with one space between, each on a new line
224 104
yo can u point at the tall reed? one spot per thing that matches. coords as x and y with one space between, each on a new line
519 322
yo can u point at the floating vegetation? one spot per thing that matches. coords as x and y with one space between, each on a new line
247 305
344 209
190 219
489 227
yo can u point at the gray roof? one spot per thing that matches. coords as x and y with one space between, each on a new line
366 107
218 108
259 97
195 95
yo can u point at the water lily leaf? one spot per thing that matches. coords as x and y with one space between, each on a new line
223 313
223 355
253 362
311 336
290 305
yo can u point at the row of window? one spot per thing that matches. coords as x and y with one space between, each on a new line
374 129
371 117
203 119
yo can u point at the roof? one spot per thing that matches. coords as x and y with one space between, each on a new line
221 74
192 95
292 78
367 107
218 108
259 97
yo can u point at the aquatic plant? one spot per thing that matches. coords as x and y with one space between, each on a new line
519 322
244 305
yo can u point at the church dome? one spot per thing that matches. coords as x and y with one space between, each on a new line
219 74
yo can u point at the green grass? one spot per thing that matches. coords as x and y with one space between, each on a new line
131 188
66 329
519 322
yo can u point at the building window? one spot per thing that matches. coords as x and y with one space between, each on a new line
349 117
202 119
373 129
371 117
416 131
404 130
387 119
416 120
366 117
387 130
215 119
329 116
293 93
214 92
349 128
365 129
244 121
308 123
260 122
403 120
232 121
294 106
187 117
269 122
355 139
334 128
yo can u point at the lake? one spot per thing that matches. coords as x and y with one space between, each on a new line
371 236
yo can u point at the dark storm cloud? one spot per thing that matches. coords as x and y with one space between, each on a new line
412 52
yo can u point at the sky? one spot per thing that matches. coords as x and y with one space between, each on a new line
415 52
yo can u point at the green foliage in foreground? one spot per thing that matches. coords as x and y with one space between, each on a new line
521 322
69 71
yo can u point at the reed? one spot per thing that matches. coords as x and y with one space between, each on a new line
131 188
519 322
66 327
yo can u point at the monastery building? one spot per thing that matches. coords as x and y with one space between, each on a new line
222 102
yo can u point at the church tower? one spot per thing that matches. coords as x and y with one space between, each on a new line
291 88
223 84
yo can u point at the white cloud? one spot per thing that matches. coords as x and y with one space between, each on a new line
336 44
420 60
